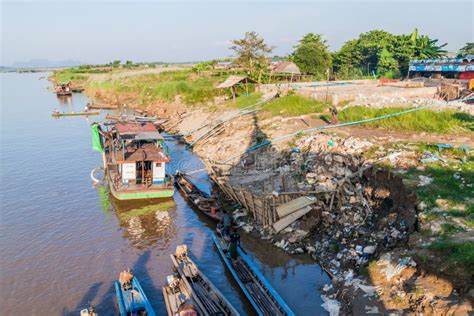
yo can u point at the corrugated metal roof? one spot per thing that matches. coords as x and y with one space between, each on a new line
133 128
138 131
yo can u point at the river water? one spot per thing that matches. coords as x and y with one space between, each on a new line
63 242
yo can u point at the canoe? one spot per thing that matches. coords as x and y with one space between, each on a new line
197 198
131 298
263 297
179 299
209 299
76 114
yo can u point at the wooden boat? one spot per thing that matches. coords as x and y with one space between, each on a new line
63 90
197 198
178 298
131 298
208 298
263 297
134 157
88 113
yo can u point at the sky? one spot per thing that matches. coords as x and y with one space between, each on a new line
176 31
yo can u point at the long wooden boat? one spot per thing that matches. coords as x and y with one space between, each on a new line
209 299
197 198
131 298
88 113
179 299
263 297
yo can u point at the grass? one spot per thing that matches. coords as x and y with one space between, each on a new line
425 120
294 105
164 86
75 74
245 100
456 253
446 186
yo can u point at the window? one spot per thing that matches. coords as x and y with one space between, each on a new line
158 164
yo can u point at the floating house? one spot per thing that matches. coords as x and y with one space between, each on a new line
456 68
135 157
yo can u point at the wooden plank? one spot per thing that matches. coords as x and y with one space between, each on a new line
288 220
294 205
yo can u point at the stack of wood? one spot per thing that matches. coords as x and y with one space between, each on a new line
449 91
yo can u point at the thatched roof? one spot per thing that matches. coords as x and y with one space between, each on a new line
286 67
233 80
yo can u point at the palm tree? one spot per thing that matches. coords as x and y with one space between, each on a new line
426 48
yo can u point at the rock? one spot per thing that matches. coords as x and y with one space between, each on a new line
369 250
298 251
310 249
247 228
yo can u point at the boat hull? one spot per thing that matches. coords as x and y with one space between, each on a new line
279 305
129 302
142 194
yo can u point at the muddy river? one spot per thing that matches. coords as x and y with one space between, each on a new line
64 242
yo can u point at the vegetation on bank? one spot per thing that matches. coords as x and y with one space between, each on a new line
245 100
457 253
294 105
165 86
425 120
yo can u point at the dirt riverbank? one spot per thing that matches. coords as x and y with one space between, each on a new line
365 227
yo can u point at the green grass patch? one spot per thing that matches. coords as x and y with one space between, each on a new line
446 186
294 105
245 100
448 121
456 253
76 74
449 229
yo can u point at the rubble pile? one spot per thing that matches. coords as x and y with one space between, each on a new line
354 219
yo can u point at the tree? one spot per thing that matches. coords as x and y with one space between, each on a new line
311 55
467 49
115 63
252 52
426 48
387 65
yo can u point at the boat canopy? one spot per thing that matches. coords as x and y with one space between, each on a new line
138 131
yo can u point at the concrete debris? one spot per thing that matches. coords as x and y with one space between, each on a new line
332 306
371 310
424 180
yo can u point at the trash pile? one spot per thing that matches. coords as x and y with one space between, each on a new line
355 217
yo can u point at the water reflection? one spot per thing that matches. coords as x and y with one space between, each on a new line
147 223
65 100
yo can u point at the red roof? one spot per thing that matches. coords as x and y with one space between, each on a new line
132 128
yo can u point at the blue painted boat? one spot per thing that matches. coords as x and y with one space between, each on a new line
131 298
263 297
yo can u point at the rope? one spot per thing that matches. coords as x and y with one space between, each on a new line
309 130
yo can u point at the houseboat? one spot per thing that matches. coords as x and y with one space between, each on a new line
135 157
63 90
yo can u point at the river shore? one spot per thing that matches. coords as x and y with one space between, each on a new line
370 238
